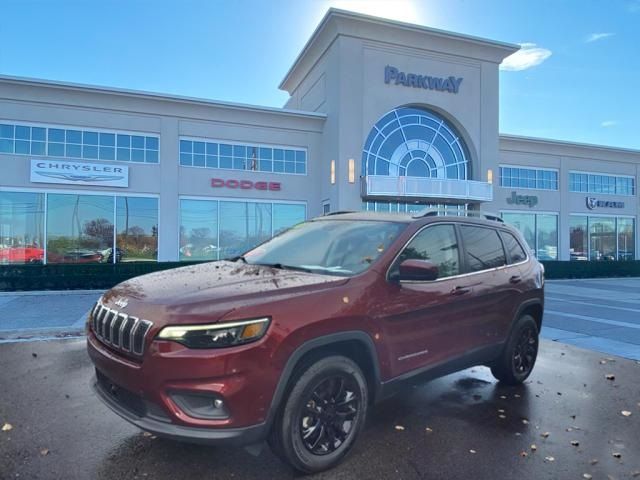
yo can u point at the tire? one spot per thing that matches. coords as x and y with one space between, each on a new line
329 398
519 355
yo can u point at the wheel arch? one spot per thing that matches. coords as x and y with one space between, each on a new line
533 307
356 345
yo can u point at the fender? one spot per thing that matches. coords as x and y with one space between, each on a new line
523 306
306 347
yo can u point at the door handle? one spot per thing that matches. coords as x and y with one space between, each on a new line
460 290
515 279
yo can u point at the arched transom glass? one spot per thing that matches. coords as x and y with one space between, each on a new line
414 142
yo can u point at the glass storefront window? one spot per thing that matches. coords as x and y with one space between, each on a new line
21 227
540 230
578 238
547 237
526 223
79 228
218 229
242 226
602 238
136 230
287 215
626 239
198 230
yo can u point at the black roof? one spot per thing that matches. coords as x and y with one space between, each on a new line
480 218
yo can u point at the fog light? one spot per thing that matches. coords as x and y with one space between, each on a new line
200 405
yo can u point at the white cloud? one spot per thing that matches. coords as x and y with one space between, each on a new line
528 56
594 37
608 123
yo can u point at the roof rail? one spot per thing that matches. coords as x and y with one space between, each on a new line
465 213
339 212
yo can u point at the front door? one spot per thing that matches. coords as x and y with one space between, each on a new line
426 322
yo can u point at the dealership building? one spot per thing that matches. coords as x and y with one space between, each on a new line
382 116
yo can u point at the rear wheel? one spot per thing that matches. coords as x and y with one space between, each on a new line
322 416
518 358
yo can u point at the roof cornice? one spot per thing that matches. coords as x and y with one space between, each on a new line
338 22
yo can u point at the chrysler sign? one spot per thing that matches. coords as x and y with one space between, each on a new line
449 84
593 203
74 173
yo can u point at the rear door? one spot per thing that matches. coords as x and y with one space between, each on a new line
485 264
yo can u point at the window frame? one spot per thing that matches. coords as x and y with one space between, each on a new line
247 144
599 179
393 263
82 129
535 179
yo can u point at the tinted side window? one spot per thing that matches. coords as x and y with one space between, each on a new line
483 248
437 244
514 248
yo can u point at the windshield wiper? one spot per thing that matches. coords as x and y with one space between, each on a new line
239 257
281 266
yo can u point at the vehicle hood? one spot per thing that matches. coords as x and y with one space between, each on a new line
209 291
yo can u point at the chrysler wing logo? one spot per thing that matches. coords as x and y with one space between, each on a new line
592 202
81 178
121 302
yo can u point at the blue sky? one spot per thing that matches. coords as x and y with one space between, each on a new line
579 78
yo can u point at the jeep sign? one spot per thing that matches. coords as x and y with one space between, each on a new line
529 200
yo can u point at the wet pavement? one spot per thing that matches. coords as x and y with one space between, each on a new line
446 429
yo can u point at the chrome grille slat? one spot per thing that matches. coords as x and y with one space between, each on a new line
119 330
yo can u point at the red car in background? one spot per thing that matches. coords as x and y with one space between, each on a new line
22 254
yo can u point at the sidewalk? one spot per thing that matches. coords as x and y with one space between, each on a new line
52 314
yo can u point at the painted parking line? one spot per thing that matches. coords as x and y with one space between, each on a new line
609 307
594 319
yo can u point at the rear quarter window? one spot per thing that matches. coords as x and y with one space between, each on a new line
513 246
483 248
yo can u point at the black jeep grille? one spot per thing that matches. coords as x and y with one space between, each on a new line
119 330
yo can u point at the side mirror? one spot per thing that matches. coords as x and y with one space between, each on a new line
418 270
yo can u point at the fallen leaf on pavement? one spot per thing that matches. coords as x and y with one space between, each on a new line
544 435
524 454
534 447
594 461
399 427
549 459
587 476
146 434
429 430
6 427
525 421
617 455
516 396
503 397
626 413
569 429
603 362
502 416
610 376
44 451
575 443
635 474
500 410
472 451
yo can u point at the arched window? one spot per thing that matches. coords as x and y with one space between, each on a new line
414 142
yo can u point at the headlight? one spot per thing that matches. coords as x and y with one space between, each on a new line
217 335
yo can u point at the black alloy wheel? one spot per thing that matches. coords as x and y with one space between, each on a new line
327 418
524 354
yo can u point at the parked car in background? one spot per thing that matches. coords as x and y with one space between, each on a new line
294 340
107 255
21 254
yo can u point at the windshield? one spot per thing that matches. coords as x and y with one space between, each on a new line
330 247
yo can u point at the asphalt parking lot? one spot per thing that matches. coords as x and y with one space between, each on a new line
449 428
566 422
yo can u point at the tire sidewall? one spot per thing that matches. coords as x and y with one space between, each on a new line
294 449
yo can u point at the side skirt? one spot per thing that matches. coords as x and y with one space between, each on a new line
478 356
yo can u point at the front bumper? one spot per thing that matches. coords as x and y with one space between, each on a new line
144 391
153 424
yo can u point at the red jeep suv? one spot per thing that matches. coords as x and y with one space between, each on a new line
294 340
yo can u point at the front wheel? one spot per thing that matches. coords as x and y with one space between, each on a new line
520 352
322 416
